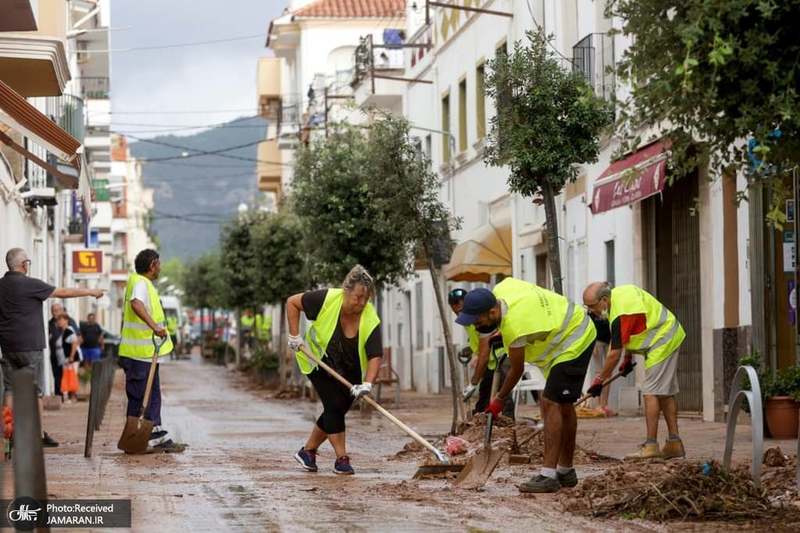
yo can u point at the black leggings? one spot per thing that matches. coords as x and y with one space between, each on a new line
336 401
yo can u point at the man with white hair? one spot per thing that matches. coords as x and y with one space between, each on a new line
22 339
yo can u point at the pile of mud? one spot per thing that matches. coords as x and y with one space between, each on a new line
677 490
513 437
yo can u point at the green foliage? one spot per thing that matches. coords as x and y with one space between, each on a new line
785 382
175 270
548 119
203 282
710 74
239 259
366 197
262 359
281 271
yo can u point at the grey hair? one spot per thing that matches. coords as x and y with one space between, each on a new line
358 275
14 258
604 291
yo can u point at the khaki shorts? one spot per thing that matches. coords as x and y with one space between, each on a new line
662 379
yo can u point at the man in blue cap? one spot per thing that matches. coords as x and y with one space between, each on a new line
545 329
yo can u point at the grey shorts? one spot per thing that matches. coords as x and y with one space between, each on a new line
662 379
13 361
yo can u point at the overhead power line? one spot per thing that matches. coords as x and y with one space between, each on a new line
176 45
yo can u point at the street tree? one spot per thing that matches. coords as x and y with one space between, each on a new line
720 80
404 188
548 121
203 286
277 250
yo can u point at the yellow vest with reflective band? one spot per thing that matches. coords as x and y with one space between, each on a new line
172 325
474 339
137 337
664 334
532 309
321 330
263 327
247 321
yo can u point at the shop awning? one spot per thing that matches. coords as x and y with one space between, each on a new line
17 113
638 176
485 252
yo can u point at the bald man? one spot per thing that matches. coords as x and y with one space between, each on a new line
642 325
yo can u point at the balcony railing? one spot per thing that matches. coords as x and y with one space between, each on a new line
67 111
95 88
593 57
369 57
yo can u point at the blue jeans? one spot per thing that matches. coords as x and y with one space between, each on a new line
136 372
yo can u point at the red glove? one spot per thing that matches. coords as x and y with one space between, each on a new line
627 366
596 387
495 407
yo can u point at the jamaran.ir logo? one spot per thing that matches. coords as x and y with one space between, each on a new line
25 513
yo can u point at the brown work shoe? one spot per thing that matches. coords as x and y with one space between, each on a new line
673 448
648 450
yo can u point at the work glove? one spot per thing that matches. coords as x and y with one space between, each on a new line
627 366
362 389
596 388
495 407
295 342
468 391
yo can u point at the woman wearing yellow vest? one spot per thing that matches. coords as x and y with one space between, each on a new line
543 328
640 324
143 317
485 346
345 332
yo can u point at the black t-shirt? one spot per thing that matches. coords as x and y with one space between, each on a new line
21 320
342 351
91 335
603 329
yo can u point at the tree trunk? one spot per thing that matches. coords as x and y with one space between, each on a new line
202 332
239 343
553 255
451 354
285 356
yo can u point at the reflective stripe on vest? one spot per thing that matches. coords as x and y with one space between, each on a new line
532 309
321 330
137 337
663 334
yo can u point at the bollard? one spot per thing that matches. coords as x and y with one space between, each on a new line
102 384
28 458
753 397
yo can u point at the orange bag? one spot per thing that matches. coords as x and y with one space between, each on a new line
69 379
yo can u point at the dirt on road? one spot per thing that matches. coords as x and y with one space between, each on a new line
238 473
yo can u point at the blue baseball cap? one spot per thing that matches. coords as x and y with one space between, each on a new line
477 302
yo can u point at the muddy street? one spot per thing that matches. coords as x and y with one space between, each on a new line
238 473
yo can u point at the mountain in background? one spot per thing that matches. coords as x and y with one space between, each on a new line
194 195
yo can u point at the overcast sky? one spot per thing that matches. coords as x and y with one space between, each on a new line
199 79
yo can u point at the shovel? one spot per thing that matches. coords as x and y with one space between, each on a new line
480 467
138 429
442 457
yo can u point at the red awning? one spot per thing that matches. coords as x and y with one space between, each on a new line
638 176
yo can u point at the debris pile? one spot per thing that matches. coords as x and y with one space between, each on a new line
677 490
779 478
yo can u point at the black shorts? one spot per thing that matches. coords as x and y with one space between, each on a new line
565 381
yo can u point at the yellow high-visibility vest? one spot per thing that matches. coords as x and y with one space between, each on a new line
531 310
321 330
663 334
137 337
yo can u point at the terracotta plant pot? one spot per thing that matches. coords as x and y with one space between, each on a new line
783 414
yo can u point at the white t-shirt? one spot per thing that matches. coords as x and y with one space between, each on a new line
140 293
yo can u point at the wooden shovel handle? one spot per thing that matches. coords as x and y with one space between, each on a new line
413 434
158 342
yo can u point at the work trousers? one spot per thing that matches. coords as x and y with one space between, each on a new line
136 372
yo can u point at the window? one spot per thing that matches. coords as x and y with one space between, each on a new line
480 100
462 115
428 147
420 317
610 271
541 271
502 49
446 128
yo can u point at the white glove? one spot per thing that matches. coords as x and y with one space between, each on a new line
361 389
469 390
295 343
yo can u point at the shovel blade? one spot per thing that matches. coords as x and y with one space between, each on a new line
478 469
135 435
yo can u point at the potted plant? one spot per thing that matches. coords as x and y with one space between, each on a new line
782 393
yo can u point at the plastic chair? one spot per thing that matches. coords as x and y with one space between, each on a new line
532 380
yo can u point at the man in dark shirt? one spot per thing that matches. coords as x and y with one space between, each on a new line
22 339
92 340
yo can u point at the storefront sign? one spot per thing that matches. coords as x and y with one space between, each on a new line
87 262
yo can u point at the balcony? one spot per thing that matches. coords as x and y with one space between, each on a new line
269 167
66 111
94 88
377 76
593 57
34 63
289 121
269 88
